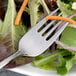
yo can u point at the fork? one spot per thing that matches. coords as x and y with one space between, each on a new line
34 43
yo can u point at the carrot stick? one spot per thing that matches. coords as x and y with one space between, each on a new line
60 18
20 12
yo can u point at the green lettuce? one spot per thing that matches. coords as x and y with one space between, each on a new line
34 11
38 9
66 7
9 28
65 64
68 37
40 61
48 62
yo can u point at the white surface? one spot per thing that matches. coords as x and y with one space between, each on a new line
33 71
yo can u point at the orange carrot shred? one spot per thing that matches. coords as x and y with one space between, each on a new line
60 18
20 12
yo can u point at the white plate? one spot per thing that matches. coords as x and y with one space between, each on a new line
34 71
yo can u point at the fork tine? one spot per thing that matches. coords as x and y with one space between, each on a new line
45 28
50 32
43 21
54 12
56 35
49 25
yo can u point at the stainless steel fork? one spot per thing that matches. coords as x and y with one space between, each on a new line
35 42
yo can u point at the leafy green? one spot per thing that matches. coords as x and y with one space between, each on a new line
66 7
51 65
48 65
61 69
68 36
66 62
43 60
35 13
45 6
33 6
9 19
9 29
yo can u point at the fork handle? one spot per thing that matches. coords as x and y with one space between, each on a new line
8 59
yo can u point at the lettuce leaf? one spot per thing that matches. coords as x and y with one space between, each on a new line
66 7
48 65
66 62
34 11
9 29
48 62
68 36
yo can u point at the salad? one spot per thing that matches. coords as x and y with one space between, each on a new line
16 19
